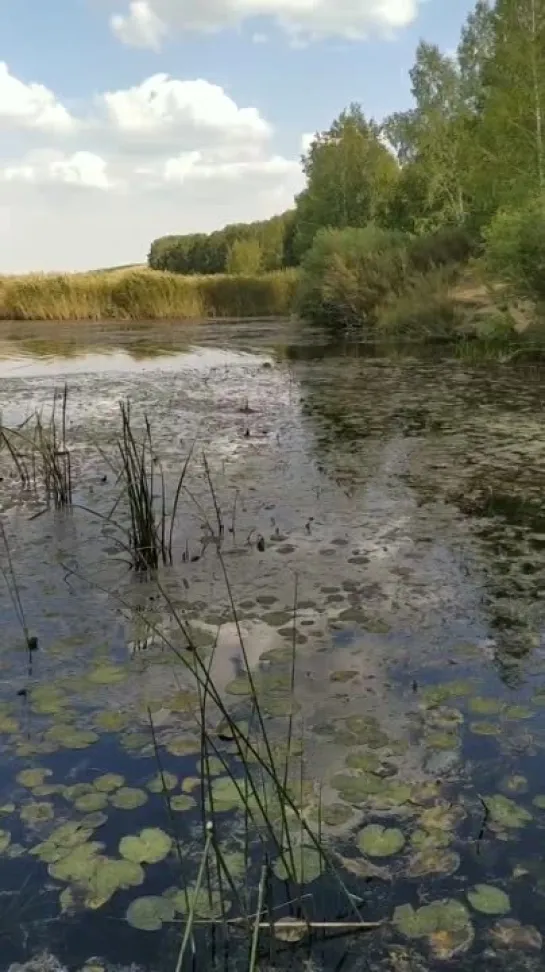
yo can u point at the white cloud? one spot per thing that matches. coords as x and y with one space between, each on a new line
142 28
51 166
165 156
306 141
178 112
146 22
31 106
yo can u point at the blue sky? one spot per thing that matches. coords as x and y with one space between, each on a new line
98 160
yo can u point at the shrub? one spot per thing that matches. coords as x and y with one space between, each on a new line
448 245
347 273
427 310
514 249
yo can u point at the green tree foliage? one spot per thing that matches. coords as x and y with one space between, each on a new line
204 253
515 248
244 257
350 175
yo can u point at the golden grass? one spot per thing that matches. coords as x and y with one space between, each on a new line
143 294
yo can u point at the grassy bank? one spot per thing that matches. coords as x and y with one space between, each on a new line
140 294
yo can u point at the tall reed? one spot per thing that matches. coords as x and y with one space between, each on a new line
143 294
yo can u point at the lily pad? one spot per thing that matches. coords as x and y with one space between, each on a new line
108 782
149 913
182 746
361 759
515 712
36 813
205 906
107 675
505 813
182 802
150 846
307 865
159 783
442 816
481 705
446 924
5 840
489 900
378 841
78 865
485 728
92 821
70 737
128 798
90 802
111 721
423 840
539 801
33 777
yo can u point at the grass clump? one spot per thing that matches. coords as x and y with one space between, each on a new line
143 294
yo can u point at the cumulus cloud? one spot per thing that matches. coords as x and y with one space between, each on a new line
165 156
51 166
146 22
168 110
31 106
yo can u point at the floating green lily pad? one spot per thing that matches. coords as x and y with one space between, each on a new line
332 814
107 675
33 777
113 721
539 801
485 728
505 813
361 759
161 782
442 741
48 789
78 865
489 900
36 813
128 798
108 782
182 746
442 816
515 712
307 865
378 841
210 767
205 906
92 821
182 802
481 705
149 846
149 913
423 840
90 802
446 924
70 737
5 840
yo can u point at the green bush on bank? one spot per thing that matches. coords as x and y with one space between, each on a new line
514 249
347 273
146 295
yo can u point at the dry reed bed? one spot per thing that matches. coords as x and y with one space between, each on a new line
145 294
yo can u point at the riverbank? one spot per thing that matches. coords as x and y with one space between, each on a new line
143 294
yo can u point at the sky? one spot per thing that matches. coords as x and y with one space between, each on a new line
125 120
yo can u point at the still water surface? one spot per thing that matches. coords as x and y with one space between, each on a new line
399 500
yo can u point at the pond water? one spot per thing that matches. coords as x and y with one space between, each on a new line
371 529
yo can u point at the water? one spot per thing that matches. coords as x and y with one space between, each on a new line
398 499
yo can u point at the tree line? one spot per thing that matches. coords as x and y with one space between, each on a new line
471 146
